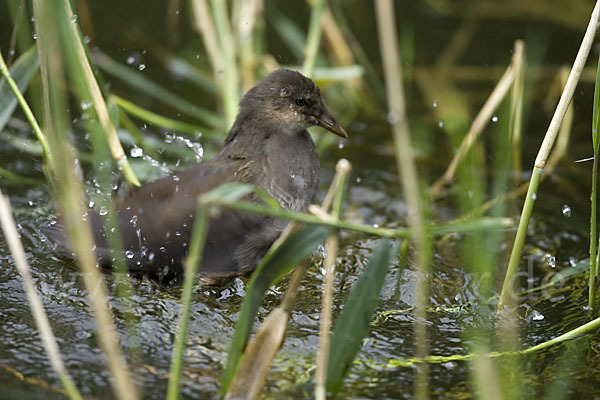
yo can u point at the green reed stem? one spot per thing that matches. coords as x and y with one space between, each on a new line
28 113
544 151
156 119
192 263
230 78
484 223
516 105
315 28
587 328
593 236
594 196
515 255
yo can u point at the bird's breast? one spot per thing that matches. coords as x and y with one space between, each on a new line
294 172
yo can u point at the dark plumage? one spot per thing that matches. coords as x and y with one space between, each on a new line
268 146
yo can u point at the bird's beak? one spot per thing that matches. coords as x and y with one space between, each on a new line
325 120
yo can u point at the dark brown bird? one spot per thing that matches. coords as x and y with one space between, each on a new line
268 146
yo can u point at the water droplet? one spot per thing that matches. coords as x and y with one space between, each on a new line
292 175
566 210
74 18
537 316
495 118
103 211
35 36
130 60
441 124
533 196
358 179
151 256
393 117
91 204
85 105
341 146
375 225
572 261
136 152
129 254
551 260
435 104
142 67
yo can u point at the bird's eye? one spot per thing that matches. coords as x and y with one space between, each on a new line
300 101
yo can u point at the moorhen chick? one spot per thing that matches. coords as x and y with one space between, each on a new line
268 146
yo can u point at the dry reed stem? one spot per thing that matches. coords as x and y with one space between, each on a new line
70 192
331 249
204 25
341 50
481 121
386 27
567 93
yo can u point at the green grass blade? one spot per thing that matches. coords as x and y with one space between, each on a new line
290 33
230 78
155 91
192 263
21 71
596 108
228 193
276 263
313 39
353 324
160 120
594 195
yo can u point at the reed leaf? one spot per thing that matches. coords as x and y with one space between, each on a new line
353 324
275 265
21 71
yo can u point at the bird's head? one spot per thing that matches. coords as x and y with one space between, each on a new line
290 100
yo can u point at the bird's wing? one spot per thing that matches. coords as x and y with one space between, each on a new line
156 220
